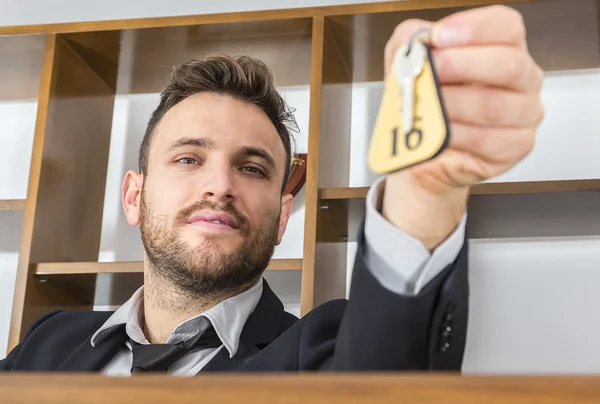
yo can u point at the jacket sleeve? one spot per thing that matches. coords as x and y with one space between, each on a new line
399 261
383 330
7 363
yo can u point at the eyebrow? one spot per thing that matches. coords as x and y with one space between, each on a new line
189 141
257 152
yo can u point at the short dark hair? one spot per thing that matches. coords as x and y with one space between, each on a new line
242 77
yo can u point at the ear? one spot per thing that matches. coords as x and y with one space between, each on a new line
286 210
131 193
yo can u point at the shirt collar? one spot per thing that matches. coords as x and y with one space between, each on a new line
228 318
127 314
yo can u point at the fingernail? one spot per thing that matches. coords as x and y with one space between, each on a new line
449 36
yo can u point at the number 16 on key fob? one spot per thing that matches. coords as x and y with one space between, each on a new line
412 125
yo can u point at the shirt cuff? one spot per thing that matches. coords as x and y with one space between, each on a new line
400 262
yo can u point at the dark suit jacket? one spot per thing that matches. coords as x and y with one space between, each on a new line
374 330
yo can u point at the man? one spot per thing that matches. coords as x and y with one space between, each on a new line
209 201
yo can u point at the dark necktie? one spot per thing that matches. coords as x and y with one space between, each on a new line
158 357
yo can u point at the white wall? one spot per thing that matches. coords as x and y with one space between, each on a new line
43 11
535 259
17 123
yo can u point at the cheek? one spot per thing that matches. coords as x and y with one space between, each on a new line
263 209
164 199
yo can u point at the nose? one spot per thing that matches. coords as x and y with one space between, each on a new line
219 185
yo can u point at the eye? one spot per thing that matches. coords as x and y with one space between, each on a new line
255 170
186 160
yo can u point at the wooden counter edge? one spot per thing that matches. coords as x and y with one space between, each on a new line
308 387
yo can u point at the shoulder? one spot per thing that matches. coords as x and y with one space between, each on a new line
52 338
66 323
332 309
327 315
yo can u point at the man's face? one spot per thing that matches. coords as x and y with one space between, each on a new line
210 208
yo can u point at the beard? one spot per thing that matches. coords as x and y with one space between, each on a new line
205 270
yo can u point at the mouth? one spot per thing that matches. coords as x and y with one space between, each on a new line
213 221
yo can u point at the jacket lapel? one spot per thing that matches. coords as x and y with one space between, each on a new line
261 328
88 358
223 363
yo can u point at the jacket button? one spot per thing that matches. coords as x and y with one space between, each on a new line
446 329
449 312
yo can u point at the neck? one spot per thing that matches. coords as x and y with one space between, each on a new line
166 306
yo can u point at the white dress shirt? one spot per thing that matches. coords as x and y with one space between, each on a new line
398 261
228 319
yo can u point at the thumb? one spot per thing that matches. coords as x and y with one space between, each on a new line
401 35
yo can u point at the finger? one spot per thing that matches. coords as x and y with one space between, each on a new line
489 106
494 145
400 36
502 66
499 25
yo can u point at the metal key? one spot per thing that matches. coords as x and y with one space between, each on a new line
408 64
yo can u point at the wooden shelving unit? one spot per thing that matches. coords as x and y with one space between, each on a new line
75 70
492 188
12 204
82 268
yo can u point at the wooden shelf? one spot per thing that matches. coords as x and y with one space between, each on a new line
80 268
343 193
536 187
12 204
553 26
236 17
148 56
483 189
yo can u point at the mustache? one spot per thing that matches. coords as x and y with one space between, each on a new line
186 212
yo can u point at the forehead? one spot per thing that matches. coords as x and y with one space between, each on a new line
226 121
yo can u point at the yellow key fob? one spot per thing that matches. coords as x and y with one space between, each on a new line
396 142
